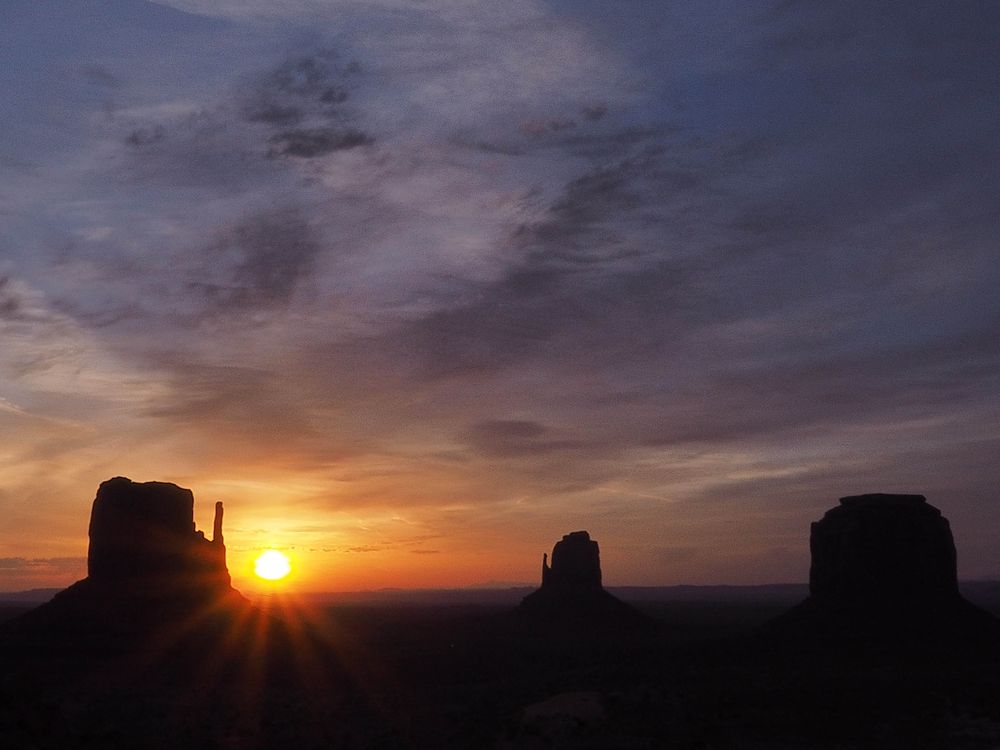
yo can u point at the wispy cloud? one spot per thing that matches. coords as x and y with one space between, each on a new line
257 262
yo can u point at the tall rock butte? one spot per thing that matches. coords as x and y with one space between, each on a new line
572 596
145 533
576 564
147 567
884 565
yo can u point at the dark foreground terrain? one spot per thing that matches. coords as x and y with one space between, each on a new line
473 674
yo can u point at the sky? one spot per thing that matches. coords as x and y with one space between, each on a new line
417 287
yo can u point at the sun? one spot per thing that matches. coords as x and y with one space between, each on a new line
272 565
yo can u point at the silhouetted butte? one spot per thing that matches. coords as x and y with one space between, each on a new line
884 566
148 568
156 649
144 534
572 597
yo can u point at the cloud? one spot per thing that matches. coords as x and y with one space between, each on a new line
101 76
517 437
145 136
20 573
10 301
306 85
56 565
316 142
304 103
563 259
259 261
229 416
235 136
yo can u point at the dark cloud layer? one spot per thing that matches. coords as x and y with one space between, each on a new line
514 437
259 261
10 302
304 102
237 139
307 143
290 91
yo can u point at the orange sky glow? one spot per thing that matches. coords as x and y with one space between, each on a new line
417 292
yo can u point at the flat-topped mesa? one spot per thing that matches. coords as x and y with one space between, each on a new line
146 532
883 580
882 549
